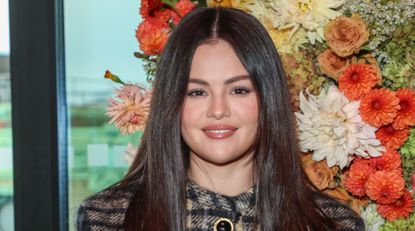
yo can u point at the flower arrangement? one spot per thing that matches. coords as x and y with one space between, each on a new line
350 68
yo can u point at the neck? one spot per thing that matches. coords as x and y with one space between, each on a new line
230 179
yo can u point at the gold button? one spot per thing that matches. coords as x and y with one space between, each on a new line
223 224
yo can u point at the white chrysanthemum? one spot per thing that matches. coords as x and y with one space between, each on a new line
312 15
331 126
372 218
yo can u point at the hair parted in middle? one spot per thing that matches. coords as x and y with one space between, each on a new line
285 199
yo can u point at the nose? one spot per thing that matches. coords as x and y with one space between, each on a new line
218 108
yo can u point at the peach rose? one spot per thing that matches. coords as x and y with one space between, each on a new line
345 36
319 173
331 64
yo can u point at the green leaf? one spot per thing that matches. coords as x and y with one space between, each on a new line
171 3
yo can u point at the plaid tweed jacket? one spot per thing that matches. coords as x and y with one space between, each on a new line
105 210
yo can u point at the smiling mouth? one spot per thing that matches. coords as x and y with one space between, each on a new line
219 133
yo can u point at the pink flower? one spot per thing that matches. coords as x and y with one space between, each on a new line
129 110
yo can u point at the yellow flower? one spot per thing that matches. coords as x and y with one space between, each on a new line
286 44
240 4
221 3
282 40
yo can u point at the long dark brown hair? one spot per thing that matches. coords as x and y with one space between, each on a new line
285 199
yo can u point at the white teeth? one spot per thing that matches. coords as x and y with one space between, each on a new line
219 131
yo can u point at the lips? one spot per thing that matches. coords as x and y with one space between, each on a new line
219 131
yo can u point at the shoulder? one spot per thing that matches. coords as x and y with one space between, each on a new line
342 214
104 210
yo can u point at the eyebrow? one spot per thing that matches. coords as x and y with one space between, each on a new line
227 82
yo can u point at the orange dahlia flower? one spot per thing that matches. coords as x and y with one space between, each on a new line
357 176
399 209
379 107
152 35
391 137
184 6
385 187
406 115
369 60
389 161
148 7
357 80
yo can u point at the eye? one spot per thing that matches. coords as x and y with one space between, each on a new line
239 90
196 93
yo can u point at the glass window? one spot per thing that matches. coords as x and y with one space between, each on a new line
4 29
6 154
99 35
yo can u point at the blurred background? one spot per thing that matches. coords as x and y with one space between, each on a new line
99 35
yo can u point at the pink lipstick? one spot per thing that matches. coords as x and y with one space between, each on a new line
219 131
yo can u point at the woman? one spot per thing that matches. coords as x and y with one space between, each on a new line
219 151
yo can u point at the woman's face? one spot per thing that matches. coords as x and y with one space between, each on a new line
220 112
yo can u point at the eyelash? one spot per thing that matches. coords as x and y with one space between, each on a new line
199 92
195 92
246 90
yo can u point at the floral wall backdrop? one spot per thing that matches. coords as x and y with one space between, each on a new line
350 66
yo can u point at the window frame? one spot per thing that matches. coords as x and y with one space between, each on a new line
39 115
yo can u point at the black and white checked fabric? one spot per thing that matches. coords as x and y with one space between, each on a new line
105 210
205 207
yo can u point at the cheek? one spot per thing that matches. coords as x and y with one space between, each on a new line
191 115
191 123
248 111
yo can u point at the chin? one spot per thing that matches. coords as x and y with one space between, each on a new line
221 159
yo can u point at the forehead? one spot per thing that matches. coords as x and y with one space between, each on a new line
216 61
